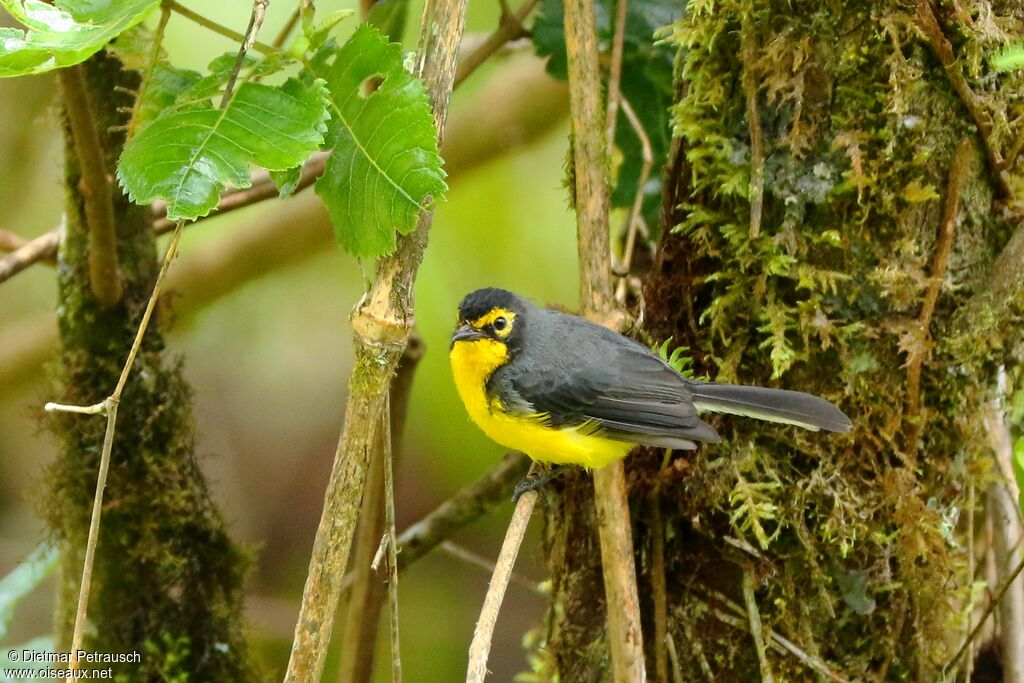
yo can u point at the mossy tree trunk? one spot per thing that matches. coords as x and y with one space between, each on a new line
167 581
849 541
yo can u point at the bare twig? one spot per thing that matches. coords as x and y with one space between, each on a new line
154 55
997 598
10 242
633 220
109 407
970 574
471 558
615 73
259 12
465 507
287 29
943 246
381 325
481 645
95 188
215 27
366 597
751 91
928 25
510 27
754 618
389 527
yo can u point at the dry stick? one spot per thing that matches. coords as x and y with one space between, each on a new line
10 242
471 558
481 645
287 29
95 187
970 575
615 74
996 599
754 618
658 582
217 28
154 55
928 25
462 509
381 325
362 616
677 672
590 163
389 523
750 90
943 246
108 406
510 27
633 219
259 12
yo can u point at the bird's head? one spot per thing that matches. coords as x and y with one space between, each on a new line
491 323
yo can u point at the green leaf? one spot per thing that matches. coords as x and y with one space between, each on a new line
64 33
192 152
23 580
166 84
286 181
385 166
388 16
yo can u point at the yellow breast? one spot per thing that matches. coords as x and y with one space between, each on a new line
472 364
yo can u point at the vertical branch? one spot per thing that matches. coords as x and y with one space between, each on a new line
590 163
943 246
95 188
381 324
615 75
481 645
366 597
754 618
389 524
750 90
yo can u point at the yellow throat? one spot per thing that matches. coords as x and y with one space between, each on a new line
473 362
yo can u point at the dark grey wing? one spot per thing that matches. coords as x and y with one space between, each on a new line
581 373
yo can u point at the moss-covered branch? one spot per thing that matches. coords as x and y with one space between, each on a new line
381 325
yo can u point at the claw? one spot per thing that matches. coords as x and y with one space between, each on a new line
535 482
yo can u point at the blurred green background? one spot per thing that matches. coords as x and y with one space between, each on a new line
269 363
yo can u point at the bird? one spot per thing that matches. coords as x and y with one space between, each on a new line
567 391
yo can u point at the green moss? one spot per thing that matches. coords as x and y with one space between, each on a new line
859 123
167 580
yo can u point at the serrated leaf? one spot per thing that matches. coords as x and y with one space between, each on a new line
64 33
166 84
192 152
385 166
286 181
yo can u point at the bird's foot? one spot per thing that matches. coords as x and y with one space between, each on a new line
536 481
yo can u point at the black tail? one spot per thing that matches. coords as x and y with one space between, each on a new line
773 405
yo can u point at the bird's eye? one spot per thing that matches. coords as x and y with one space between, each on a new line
499 324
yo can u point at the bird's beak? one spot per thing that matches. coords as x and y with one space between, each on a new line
466 332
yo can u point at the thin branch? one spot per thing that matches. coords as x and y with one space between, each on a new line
389 524
510 27
633 220
381 325
481 645
615 73
750 90
286 30
259 13
472 559
658 582
928 25
754 619
462 509
970 575
943 246
154 55
217 28
108 406
10 242
95 188
698 650
590 157
996 599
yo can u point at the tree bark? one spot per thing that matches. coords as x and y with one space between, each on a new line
845 537
167 581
